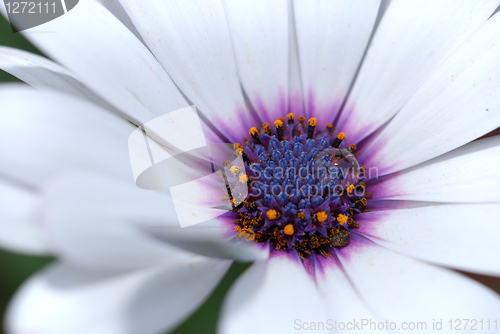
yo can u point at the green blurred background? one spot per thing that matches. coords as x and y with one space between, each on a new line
15 268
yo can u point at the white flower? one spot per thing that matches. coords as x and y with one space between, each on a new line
426 89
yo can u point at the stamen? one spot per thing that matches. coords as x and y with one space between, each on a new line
266 129
321 216
338 140
302 120
329 128
255 136
272 214
342 219
279 129
312 126
289 230
291 118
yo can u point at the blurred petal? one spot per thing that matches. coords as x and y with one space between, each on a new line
412 40
62 300
456 105
117 10
192 42
400 288
468 174
98 222
259 31
295 95
332 37
41 73
461 236
110 60
341 298
270 297
19 229
44 134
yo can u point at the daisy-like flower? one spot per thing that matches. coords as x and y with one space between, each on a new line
406 194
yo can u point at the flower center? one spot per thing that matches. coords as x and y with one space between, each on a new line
304 187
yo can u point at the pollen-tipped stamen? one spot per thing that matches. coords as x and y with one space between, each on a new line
336 143
310 129
302 120
266 129
329 127
279 129
255 136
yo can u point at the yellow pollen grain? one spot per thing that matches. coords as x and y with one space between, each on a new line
301 215
329 125
265 125
289 230
290 116
272 214
321 216
278 123
342 219
234 170
243 178
246 234
313 122
253 131
236 146
350 188
302 119
341 136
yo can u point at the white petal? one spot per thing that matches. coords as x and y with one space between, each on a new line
41 73
401 289
259 31
342 301
332 37
99 222
99 227
468 174
270 297
117 10
295 96
18 220
412 40
62 300
454 106
460 236
192 42
43 134
110 60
